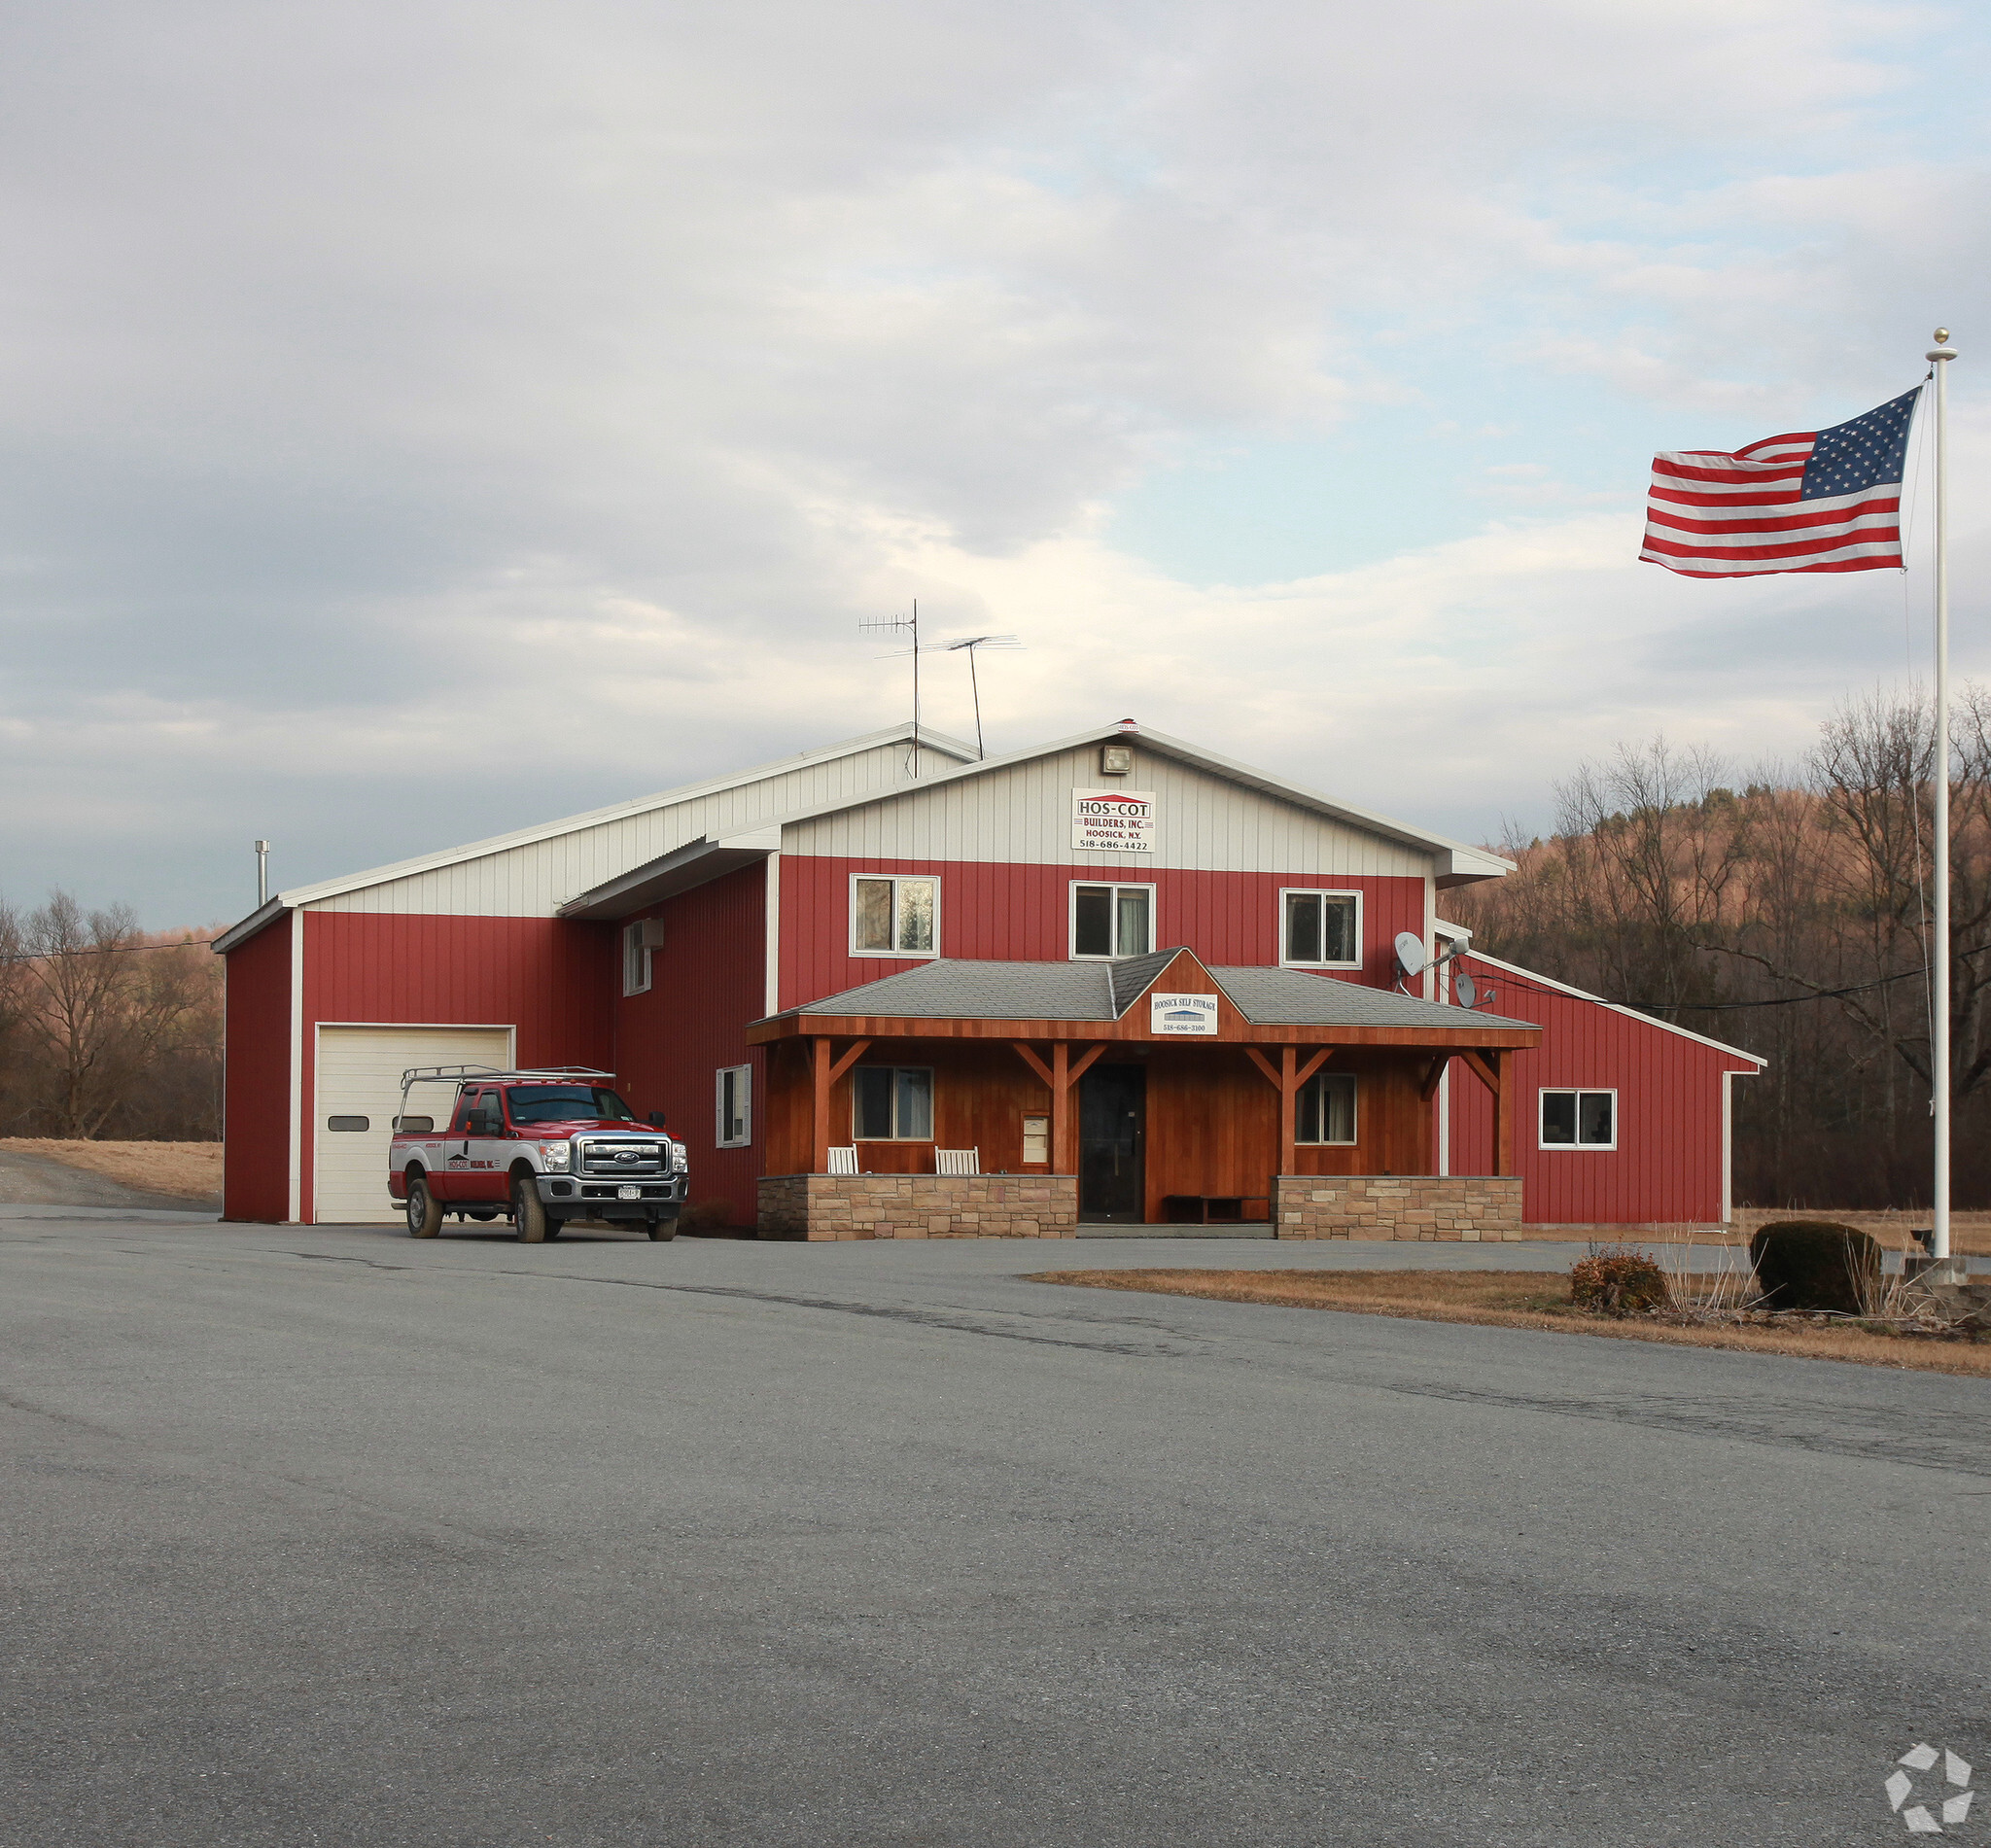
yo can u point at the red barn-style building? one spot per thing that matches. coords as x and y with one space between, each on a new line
890 989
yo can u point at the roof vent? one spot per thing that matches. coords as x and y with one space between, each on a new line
1116 761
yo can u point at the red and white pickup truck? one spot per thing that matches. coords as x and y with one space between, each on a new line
541 1148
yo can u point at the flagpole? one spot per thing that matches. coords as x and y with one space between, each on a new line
1938 1026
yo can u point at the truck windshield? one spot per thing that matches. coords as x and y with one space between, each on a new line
564 1103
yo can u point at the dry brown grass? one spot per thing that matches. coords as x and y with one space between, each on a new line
187 1170
1531 1298
1969 1233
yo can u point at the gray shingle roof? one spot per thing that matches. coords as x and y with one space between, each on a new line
959 989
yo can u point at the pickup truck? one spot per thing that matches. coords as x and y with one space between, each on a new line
542 1147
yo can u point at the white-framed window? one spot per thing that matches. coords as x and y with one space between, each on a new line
733 1106
1324 1111
1320 929
1579 1119
892 1103
636 954
894 916
1111 920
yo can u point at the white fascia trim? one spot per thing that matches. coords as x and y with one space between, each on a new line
1618 1007
1457 856
241 933
621 811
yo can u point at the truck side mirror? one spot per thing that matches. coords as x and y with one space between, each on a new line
656 1120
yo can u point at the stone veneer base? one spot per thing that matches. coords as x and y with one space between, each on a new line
826 1206
1472 1208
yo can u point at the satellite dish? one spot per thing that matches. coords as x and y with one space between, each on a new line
1466 989
1410 952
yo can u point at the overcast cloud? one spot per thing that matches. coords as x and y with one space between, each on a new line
422 421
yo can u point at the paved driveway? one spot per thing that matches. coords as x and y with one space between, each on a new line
328 1536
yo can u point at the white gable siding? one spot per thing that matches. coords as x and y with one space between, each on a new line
1024 814
533 880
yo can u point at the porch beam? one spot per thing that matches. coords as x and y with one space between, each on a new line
1434 1077
1264 1065
849 1059
1080 1066
1027 1054
1314 1064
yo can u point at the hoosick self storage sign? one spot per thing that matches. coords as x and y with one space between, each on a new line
1113 820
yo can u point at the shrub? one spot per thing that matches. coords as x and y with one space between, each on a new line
1816 1264
1616 1282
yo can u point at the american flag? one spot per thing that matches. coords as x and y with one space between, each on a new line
1819 500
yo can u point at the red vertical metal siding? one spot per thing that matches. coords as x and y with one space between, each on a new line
708 979
1667 1165
255 1081
1003 912
549 977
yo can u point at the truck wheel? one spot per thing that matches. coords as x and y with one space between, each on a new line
662 1229
425 1210
528 1210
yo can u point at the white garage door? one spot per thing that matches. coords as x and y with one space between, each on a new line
359 1082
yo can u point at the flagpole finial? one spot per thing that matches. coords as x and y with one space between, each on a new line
1944 349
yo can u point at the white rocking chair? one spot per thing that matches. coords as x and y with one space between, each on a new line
844 1160
958 1161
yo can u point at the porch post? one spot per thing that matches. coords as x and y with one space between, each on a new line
1503 1113
1060 1109
819 1158
1289 1088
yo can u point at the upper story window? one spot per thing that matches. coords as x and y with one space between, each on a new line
1320 929
1325 1109
894 917
1579 1119
636 956
1112 920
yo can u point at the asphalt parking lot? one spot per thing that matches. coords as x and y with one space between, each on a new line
324 1535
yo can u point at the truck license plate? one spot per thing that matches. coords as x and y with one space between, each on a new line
628 1192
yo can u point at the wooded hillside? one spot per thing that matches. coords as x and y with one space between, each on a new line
1787 915
106 1032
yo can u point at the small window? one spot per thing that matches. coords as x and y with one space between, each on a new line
1579 1119
348 1122
733 1106
1036 1139
1112 920
1324 1112
1321 929
894 917
635 959
892 1103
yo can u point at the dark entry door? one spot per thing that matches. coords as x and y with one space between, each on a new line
1113 1140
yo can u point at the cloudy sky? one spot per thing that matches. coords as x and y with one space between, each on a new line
419 421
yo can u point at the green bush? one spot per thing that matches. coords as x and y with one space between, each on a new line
1618 1282
1816 1264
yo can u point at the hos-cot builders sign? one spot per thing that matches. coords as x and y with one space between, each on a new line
1113 820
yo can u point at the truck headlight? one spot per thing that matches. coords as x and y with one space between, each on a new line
680 1158
557 1154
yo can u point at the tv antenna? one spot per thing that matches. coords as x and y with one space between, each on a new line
971 643
896 628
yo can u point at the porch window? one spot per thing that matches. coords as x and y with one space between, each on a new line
1324 1112
894 917
892 1103
1112 920
733 1106
1321 929
1579 1119
636 958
